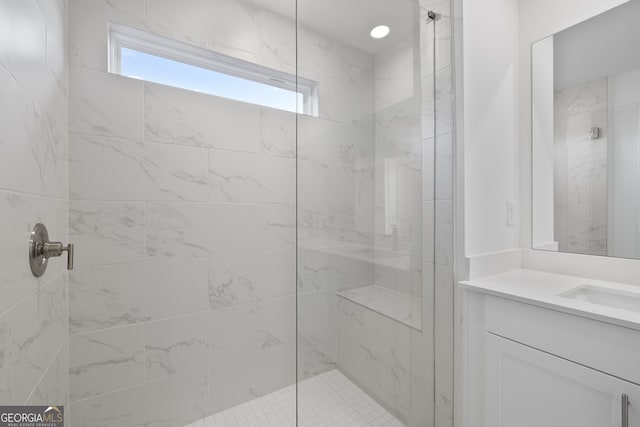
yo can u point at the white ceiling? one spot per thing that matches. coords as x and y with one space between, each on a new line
350 21
606 45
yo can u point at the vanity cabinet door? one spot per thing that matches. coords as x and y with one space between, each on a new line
529 388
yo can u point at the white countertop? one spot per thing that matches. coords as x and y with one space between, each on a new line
544 289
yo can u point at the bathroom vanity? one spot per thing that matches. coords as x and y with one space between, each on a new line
550 350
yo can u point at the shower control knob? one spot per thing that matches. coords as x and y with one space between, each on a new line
41 249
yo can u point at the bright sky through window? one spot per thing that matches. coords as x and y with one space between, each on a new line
161 70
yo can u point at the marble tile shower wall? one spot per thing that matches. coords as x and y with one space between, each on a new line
399 159
437 209
33 188
414 118
373 349
183 205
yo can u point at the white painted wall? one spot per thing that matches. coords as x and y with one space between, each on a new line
490 37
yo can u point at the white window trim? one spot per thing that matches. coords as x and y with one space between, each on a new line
131 38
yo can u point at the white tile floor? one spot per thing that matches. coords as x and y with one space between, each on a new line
329 399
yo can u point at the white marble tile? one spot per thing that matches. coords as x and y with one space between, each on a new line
107 168
250 277
37 330
38 145
444 167
428 232
277 132
428 116
33 170
322 270
332 58
23 45
256 178
325 183
320 225
52 92
395 73
444 350
239 377
399 306
251 228
428 170
311 360
105 104
20 213
53 387
176 346
106 361
398 130
345 100
178 230
376 352
444 232
88 23
428 296
330 141
421 407
7 354
404 280
257 358
443 384
423 347
107 232
55 18
224 22
444 103
174 401
117 295
317 321
278 36
582 98
190 118
427 45
443 51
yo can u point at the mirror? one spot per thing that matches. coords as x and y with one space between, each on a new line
586 136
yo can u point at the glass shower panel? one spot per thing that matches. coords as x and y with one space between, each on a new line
182 209
365 215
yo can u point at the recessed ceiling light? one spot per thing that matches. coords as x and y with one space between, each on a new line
380 32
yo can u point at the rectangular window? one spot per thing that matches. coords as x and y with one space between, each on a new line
141 55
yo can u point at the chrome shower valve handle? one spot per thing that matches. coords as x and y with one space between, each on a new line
41 249
55 249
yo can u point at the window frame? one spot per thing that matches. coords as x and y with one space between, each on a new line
121 37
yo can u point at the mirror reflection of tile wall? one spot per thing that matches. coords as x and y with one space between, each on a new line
580 168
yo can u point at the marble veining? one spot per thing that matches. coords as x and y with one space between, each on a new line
105 361
33 178
580 168
108 232
118 169
398 306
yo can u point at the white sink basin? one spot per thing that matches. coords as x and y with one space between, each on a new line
607 297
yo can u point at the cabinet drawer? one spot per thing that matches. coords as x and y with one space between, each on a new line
602 346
